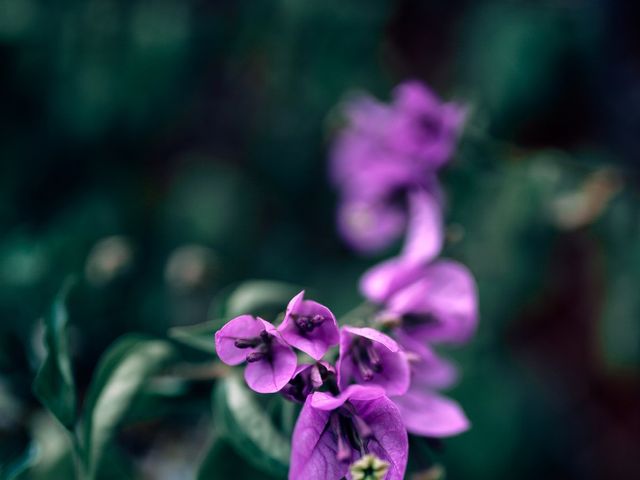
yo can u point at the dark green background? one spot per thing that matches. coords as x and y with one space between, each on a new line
206 124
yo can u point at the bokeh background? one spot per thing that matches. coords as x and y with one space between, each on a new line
162 150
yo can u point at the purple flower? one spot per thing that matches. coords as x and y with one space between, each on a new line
333 432
386 153
309 326
382 281
423 126
441 305
416 132
271 362
435 300
429 414
373 224
370 357
424 241
425 412
306 380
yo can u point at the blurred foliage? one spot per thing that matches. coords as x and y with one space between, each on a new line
161 151
54 384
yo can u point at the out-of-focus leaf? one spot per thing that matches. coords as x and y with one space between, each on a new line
54 456
245 423
198 336
264 298
123 371
54 385
14 469
222 462
620 321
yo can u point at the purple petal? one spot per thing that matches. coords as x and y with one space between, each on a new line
448 293
431 415
325 401
424 126
428 370
395 374
271 376
313 447
316 342
369 226
390 441
414 96
350 154
425 230
367 115
373 334
244 326
383 280
363 167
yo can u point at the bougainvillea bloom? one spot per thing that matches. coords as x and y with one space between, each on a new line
309 326
333 433
378 208
369 357
425 412
385 153
271 362
425 237
440 306
415 131
436 300
306 380
370 225
422 126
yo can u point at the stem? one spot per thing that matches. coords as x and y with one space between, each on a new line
78 456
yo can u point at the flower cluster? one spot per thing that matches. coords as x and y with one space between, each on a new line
357 411
347 411
385 164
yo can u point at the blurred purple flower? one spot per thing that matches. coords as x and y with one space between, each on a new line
369 357
425 412
375 224
333 432
309 326
386 153
440 307
271 362
307 379
423 126
434 300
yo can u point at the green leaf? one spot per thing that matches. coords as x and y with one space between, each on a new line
223 462
54 450
619 325
199 336
122 373
264 298
14 469
54 385
245 423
